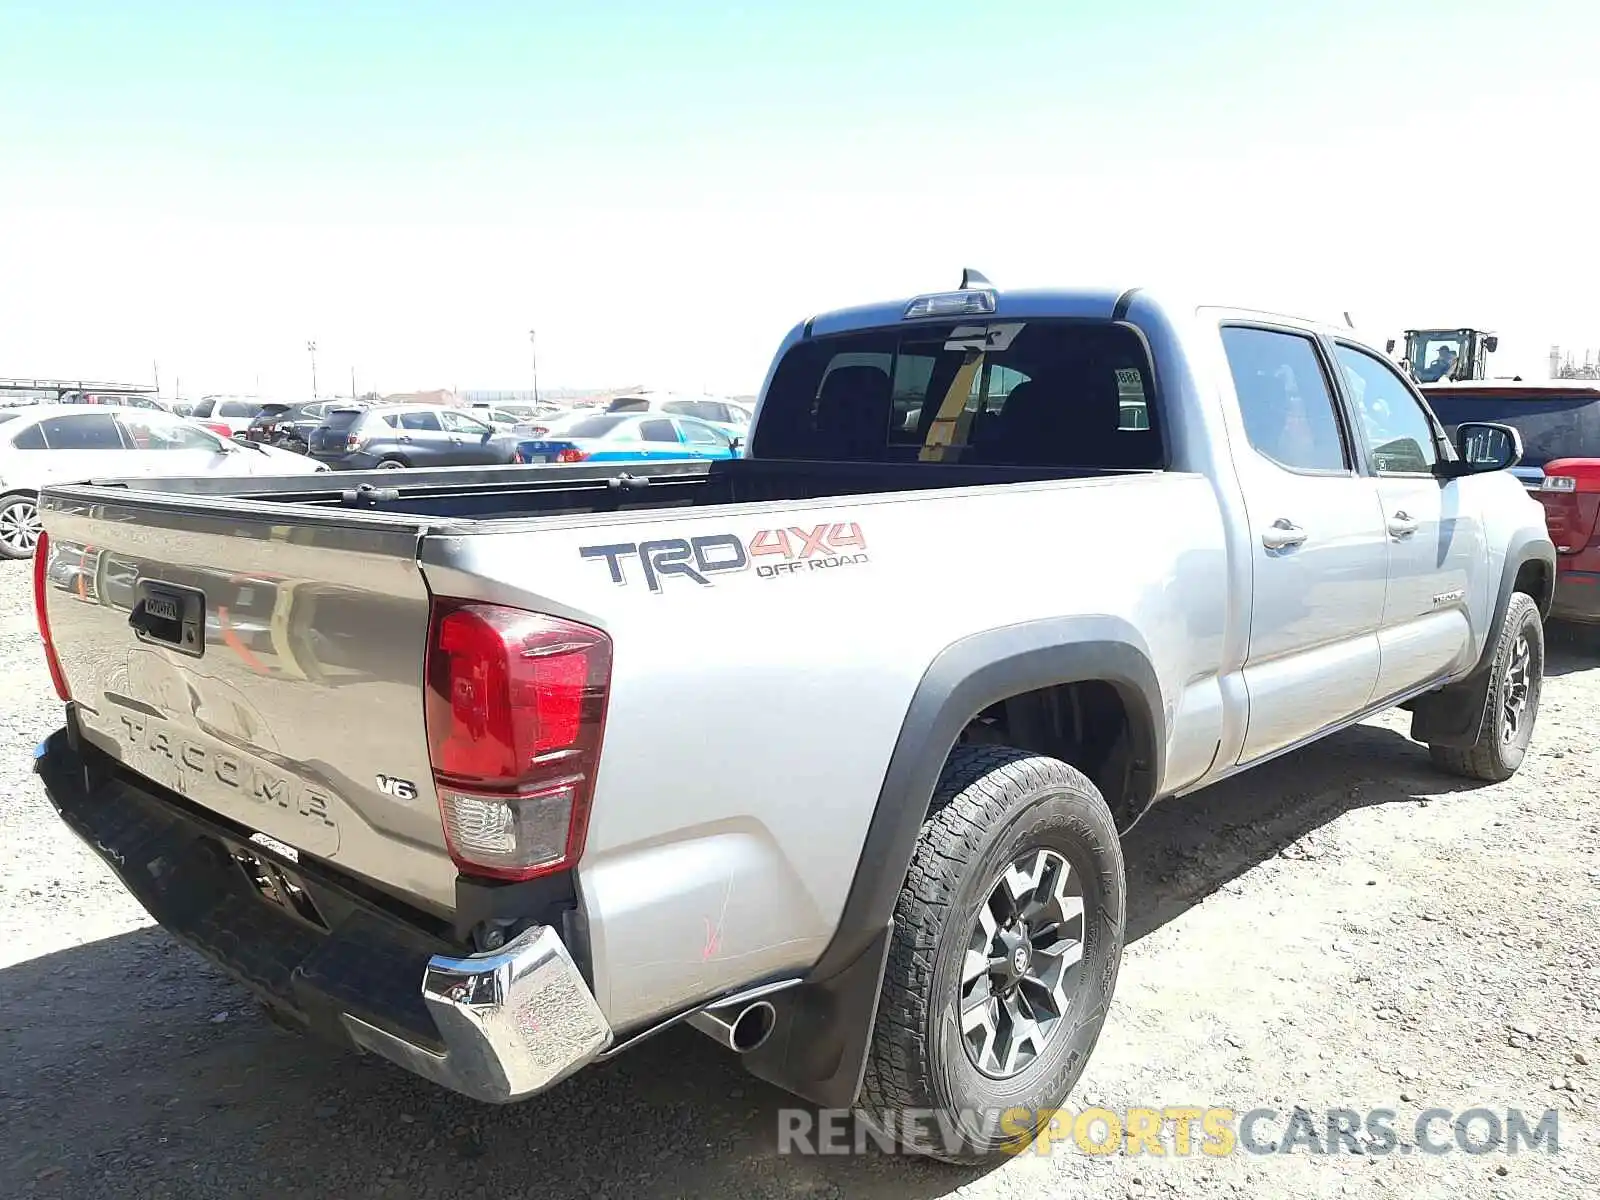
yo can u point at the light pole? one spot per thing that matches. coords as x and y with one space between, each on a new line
352 383
533 351
311 349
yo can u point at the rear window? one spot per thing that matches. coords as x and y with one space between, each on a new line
588 427
1035 393
627 404
342 418
237 408
269 410
1551 426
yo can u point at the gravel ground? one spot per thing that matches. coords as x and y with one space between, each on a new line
1341 929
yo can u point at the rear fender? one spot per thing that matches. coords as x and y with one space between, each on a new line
818 1048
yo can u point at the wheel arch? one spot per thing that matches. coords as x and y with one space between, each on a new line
1449 717
818 1049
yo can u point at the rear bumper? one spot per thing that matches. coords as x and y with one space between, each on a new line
495 1027
1577 597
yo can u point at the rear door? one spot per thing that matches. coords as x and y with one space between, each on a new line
1318 542
82 446
421 437
659 438
1438 561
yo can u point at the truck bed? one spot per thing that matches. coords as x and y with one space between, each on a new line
484 494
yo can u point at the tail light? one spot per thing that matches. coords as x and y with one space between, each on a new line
41 572
515 710
218 427
538 430
571 455
352 442
1571 497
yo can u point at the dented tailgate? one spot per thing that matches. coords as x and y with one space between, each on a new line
266 666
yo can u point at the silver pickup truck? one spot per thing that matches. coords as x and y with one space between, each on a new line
826 750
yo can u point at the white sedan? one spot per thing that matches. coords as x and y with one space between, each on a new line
65 443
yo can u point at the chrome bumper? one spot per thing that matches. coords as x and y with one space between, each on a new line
514 1021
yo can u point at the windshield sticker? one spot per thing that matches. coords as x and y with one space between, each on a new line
770 554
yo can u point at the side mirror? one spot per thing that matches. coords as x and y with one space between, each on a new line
1483 447
736 443
1491 343
1388 346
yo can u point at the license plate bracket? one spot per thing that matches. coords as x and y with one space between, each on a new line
167 614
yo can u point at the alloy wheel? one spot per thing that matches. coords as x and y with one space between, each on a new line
19 526
1518 686
1020 967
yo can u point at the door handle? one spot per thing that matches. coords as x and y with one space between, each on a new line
1282 534
1401 525
404 437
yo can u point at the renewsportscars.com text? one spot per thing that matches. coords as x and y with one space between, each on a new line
1177 1131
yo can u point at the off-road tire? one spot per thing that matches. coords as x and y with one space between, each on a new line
1492 757
992 804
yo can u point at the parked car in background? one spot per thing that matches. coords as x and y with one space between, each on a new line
113 399
408 435
67 443
513 415
730 417
289 426
227 415
1559 422
621 437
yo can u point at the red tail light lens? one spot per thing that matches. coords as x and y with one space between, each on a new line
41 573
1571 497
570 455
352 442
218 427
516 705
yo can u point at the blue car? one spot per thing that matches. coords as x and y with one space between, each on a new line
626 437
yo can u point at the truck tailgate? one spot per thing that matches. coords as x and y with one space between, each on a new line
264 665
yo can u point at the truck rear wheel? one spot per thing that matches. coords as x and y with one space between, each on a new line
1007 939
1512 705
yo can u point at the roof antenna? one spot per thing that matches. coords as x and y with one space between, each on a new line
1348 321
974 281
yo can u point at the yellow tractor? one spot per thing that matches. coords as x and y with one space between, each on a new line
1446 355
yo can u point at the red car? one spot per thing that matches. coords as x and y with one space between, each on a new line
1560 426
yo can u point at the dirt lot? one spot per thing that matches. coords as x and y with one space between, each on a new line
1341 929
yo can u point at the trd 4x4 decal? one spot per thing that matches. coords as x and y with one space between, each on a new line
771 553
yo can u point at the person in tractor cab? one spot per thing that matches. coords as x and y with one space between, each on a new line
1443 364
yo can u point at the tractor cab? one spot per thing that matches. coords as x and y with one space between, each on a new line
1446 355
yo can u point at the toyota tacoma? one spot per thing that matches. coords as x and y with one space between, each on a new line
825 751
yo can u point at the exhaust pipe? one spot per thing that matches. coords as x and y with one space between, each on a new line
740 1027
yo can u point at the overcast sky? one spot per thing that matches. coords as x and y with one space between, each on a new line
662 189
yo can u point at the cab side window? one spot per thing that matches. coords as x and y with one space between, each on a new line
1397 429
1285 399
